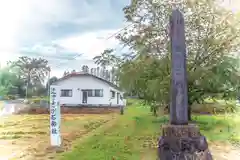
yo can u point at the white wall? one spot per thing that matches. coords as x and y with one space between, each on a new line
76 84
114 100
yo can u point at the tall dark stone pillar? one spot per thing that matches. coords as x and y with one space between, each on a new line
179 97
180 140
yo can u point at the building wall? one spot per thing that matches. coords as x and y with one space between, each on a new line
77 84
114 100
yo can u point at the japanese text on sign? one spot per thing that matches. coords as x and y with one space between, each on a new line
55 116
53 111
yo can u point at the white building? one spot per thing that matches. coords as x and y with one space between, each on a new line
83 89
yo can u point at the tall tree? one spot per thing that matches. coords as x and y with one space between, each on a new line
65 73
85 69
92 71
98 71
32 70
7 81
108 59
95 71
107 75
51 81
212 36
73 71
104 59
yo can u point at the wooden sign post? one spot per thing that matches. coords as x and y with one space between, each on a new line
55 117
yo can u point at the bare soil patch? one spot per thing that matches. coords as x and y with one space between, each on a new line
27 136
70 110
224 151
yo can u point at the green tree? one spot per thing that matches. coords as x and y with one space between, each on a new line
51 81
32 70
212 36
6 81
85 69
108 59
10 82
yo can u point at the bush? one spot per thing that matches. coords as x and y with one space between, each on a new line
213 108
36 100
10 97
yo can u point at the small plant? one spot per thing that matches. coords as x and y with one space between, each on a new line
10 97
36 101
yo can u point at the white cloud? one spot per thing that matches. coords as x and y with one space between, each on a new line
91 44
28 25
81 47
25 20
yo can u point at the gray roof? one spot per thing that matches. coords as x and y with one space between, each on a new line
77 74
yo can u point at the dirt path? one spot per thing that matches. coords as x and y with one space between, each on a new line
9 150
219 152
224 151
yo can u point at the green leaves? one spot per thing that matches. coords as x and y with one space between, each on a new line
212 36
32 70
107 58
8 80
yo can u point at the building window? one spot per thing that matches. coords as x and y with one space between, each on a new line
94 92
66 93
112 94
98 93
90 92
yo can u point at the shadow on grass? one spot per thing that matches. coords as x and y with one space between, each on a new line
161 120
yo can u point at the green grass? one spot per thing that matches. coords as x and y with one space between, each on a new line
134 136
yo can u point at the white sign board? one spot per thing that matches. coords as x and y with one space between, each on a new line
55 116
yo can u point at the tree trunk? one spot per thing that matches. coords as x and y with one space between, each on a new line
28 79
155 111
26 95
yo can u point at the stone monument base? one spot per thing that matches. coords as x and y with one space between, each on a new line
183 142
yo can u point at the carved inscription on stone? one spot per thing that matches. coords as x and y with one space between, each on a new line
178 111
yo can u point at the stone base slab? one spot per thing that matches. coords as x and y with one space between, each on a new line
183 142
190 130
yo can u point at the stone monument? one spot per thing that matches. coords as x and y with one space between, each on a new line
180 140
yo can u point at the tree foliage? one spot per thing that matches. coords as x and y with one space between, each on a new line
10 82
32 70
7 81
212 39
85 69
52 80
107 58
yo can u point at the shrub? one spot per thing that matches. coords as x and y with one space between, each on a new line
11 97
36 100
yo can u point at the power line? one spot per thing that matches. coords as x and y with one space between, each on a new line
107 38
76 56
119 31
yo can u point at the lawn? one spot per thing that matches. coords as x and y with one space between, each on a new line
27 136
134 136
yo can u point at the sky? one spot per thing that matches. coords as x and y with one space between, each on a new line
59 30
